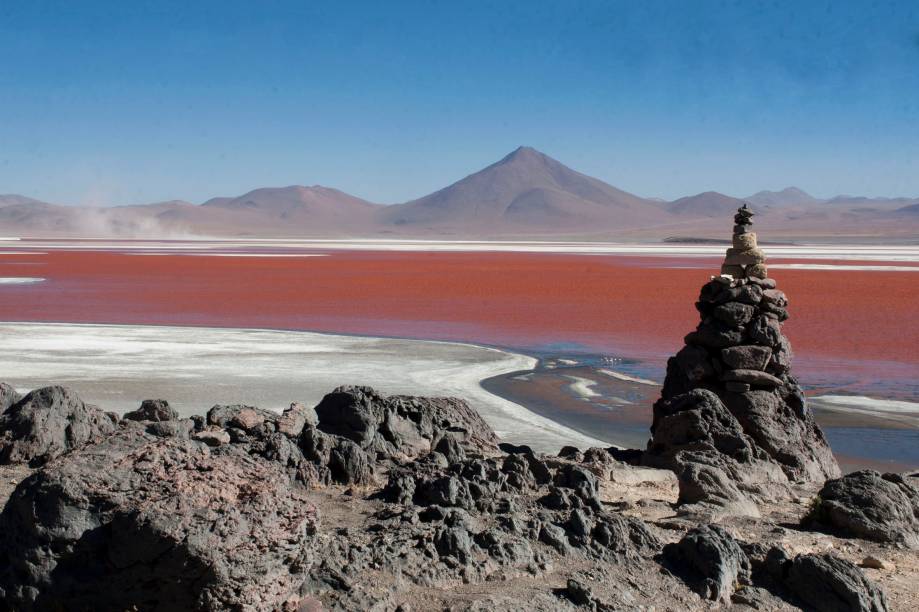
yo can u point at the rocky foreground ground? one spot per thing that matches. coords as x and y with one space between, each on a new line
368 502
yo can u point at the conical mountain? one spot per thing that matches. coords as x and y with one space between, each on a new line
526 189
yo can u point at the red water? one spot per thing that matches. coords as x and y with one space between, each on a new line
863 323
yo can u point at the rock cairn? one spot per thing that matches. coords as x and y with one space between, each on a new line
732 421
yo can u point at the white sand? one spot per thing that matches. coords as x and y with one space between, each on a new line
118 366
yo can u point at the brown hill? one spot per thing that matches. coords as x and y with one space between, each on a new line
707 204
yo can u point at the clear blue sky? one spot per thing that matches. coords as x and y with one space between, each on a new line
130 102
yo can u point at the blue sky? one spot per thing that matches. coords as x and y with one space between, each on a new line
131 102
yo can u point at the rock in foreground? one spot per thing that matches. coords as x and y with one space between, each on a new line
369 503
148 523
870 505
47 423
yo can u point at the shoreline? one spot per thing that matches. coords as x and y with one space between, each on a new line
117 366
528 397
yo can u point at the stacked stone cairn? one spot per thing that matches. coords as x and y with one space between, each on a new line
732 421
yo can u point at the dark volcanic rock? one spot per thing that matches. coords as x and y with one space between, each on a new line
711 561
153 410
715 460
146 523
870 505
401 426
47 423
8 397
828 584
749 357
349 464
750 433
245 418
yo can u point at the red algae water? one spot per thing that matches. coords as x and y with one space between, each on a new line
851 327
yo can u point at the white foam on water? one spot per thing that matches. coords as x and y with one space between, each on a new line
194 368
19 280
626 377
583 387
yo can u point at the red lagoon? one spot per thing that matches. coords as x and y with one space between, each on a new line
632 306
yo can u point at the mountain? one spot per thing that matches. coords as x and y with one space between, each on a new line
866 202
526 194
790 196
707 204
524 191
12 199
291 203
290 210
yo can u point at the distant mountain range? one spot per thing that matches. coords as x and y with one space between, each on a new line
527 194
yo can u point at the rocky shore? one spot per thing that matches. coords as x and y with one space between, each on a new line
398 503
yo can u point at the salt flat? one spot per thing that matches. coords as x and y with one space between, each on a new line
194 368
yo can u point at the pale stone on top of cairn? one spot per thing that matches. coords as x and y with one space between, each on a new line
745 241
744 259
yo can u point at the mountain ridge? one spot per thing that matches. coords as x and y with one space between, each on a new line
525 193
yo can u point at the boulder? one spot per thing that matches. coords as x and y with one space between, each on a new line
8 397
784 430
825 583
349 463
137 522
47 423
710 561
746 357
153 410
400 426
238 416
703 443
295 418
870 505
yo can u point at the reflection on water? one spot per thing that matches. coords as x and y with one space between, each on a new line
899 447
